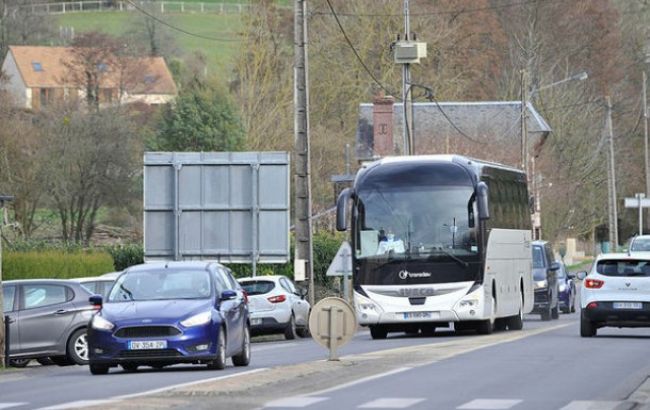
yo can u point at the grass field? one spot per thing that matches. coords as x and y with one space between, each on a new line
220 54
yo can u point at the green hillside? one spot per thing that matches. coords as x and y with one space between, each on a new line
219 53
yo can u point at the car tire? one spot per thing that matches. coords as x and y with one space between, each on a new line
219 363
244 357
45 361
303 332
587 327
290 330
78 347
61 360
97 369
573 305
130 368
19 363
378 332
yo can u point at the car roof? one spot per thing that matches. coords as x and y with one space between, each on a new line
640 237
202 265
262 277
623 256
50 281
539 242
93 279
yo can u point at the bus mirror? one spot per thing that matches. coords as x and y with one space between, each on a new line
341 209
482 201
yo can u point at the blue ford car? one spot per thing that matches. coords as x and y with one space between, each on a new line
161 314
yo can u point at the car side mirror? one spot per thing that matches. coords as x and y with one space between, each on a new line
570 275
555 266
581 275
302 292
96 301
228 295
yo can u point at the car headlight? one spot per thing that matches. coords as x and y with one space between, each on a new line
541 284
197 320
562 287
100 323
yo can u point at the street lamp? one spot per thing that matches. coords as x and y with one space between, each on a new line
537 215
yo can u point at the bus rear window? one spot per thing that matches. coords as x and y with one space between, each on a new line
623 267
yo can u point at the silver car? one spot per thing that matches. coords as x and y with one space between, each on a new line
47 318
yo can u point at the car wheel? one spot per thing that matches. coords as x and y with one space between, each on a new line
45 361
290 330
19 363
129 367
219 363
303 332
378 332
78 347
96 369
244 357
61 360
587 327
573 305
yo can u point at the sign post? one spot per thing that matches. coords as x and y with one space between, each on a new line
639 201
342 266
332 324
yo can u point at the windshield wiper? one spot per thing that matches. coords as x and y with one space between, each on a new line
454 257
127 292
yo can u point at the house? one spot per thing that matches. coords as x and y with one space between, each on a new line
37 76
488 130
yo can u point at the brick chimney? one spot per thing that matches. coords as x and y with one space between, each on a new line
382 123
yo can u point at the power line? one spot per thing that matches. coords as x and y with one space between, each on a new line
180 30
454 126
442 12
354 50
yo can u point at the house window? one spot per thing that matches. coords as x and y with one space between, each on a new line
44 97
37 66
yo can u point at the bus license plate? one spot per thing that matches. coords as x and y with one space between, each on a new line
151 344
628 305
417 315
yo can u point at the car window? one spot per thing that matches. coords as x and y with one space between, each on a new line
641 245
233 282
223 280
8 295
623 267
160 285
44 295
92 287
561 273
538 257
549 253
257 287
285 285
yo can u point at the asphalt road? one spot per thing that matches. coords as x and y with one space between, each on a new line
548 370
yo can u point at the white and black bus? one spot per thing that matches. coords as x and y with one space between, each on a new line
439 239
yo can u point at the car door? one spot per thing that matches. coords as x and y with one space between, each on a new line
9 307
46 312
230 311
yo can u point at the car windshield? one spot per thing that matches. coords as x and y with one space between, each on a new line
538 257
640 245
561 274
161 284
623 267
257 287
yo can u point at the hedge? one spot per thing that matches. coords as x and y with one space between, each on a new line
55 264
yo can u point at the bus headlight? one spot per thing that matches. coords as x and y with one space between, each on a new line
468 303
365 304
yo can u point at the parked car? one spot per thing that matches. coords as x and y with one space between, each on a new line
547 302
277 306
47 319
640 243
567 289
96 285
111 275
616 292
160 314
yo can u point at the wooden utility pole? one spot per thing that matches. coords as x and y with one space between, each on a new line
645 140
613 228
407 94
524 125
304 251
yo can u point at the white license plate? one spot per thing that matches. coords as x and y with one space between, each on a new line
628 305
417 315
255 322
152 344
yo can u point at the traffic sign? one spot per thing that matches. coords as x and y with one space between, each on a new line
342 263
332 324
639 201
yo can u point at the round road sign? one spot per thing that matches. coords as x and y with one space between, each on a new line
332 324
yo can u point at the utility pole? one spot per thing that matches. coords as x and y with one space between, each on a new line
613 228
407 95
645 138
4 361
303 265
524 125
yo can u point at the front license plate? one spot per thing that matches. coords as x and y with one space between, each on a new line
628 305
417 315
152 344
255 322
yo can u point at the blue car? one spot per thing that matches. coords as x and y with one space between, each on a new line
161 314
567 287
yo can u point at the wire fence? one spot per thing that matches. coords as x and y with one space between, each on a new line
162 7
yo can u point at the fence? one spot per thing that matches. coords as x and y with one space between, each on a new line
117 5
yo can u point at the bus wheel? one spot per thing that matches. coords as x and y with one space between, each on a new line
500 324
378 332
516 322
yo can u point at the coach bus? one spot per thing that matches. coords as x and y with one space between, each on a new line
437 240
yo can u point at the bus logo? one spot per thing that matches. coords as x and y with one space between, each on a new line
404 274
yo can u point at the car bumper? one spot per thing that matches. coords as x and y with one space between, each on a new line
264 325
193 345
541 301
605 315
564 298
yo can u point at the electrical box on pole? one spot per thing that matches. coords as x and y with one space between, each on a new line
410 52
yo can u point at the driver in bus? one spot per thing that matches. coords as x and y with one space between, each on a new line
390 243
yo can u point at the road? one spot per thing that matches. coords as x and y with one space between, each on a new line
548 366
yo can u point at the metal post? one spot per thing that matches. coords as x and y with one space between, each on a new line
347 159
645 135
640 198
407 95
255 219
5 357
4 321
304 250
332 336
177 212
612 170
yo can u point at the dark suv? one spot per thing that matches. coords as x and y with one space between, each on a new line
545 279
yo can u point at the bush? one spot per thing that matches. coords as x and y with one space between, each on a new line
54 264
126 255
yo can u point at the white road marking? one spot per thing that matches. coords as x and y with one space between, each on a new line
390 403
489 404
592 405
78 404
10 405
359 381
271 347
295 402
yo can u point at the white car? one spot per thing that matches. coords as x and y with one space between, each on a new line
276 306
616 292
640 245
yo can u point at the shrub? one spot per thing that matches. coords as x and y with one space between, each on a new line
54 264
126 255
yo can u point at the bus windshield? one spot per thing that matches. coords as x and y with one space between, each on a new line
416 222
